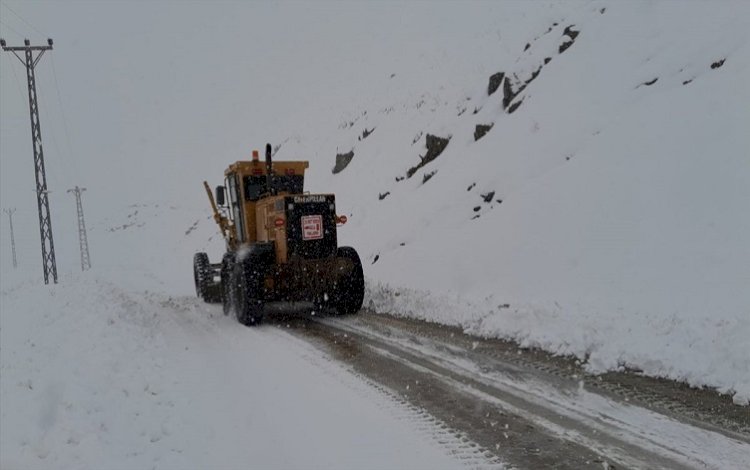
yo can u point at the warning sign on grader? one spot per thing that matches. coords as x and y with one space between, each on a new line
312 227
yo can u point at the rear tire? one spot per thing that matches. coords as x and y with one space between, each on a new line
249 276
350 289
201 273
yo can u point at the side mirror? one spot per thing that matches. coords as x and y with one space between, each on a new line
220 200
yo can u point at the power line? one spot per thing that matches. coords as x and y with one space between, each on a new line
18 82
11 28
41 95
64 118
22 19
57 153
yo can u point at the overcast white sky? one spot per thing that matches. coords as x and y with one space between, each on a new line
167 93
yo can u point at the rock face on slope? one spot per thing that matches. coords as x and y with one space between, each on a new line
481 130
435 146
495 81
342 161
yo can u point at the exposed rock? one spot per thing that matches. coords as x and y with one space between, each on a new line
527 47
342 160
435 146
382 196
375 260
508 93
650 82
366 133
495 81
687 81
471 186
547 60
515 106
427 176
488 197
481 130
570 32
534 74
572 35
477 208
564 46
717 64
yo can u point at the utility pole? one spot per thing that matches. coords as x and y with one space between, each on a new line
82 241
42 194
12 238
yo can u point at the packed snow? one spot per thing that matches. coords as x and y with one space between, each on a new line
605 217
97 376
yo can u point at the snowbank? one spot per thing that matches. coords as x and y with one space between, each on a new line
98 376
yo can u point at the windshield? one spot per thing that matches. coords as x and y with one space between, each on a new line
255 185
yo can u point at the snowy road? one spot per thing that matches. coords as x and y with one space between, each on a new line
96 374
537 412
93 375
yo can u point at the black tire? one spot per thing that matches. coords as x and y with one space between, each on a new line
212 290
350 288
201 273
227 283
249 288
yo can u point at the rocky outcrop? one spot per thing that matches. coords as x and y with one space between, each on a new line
342 160
481 130
435 146
495 81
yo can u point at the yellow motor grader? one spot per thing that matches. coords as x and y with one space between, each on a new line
281 244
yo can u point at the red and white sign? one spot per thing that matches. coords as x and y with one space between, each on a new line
312 227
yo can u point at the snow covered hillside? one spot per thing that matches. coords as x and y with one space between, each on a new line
604 214
573 176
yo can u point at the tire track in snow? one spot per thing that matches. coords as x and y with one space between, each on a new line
455 443
630 435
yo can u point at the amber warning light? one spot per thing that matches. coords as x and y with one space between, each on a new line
279 222
255 156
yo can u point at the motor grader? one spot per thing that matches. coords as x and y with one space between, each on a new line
281 244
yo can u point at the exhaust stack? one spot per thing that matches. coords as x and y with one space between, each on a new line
269 169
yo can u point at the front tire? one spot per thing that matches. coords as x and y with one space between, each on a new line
201 273
350 288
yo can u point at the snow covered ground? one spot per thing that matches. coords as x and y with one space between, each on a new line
605 217
98 376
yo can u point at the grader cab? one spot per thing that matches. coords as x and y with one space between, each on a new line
281 244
